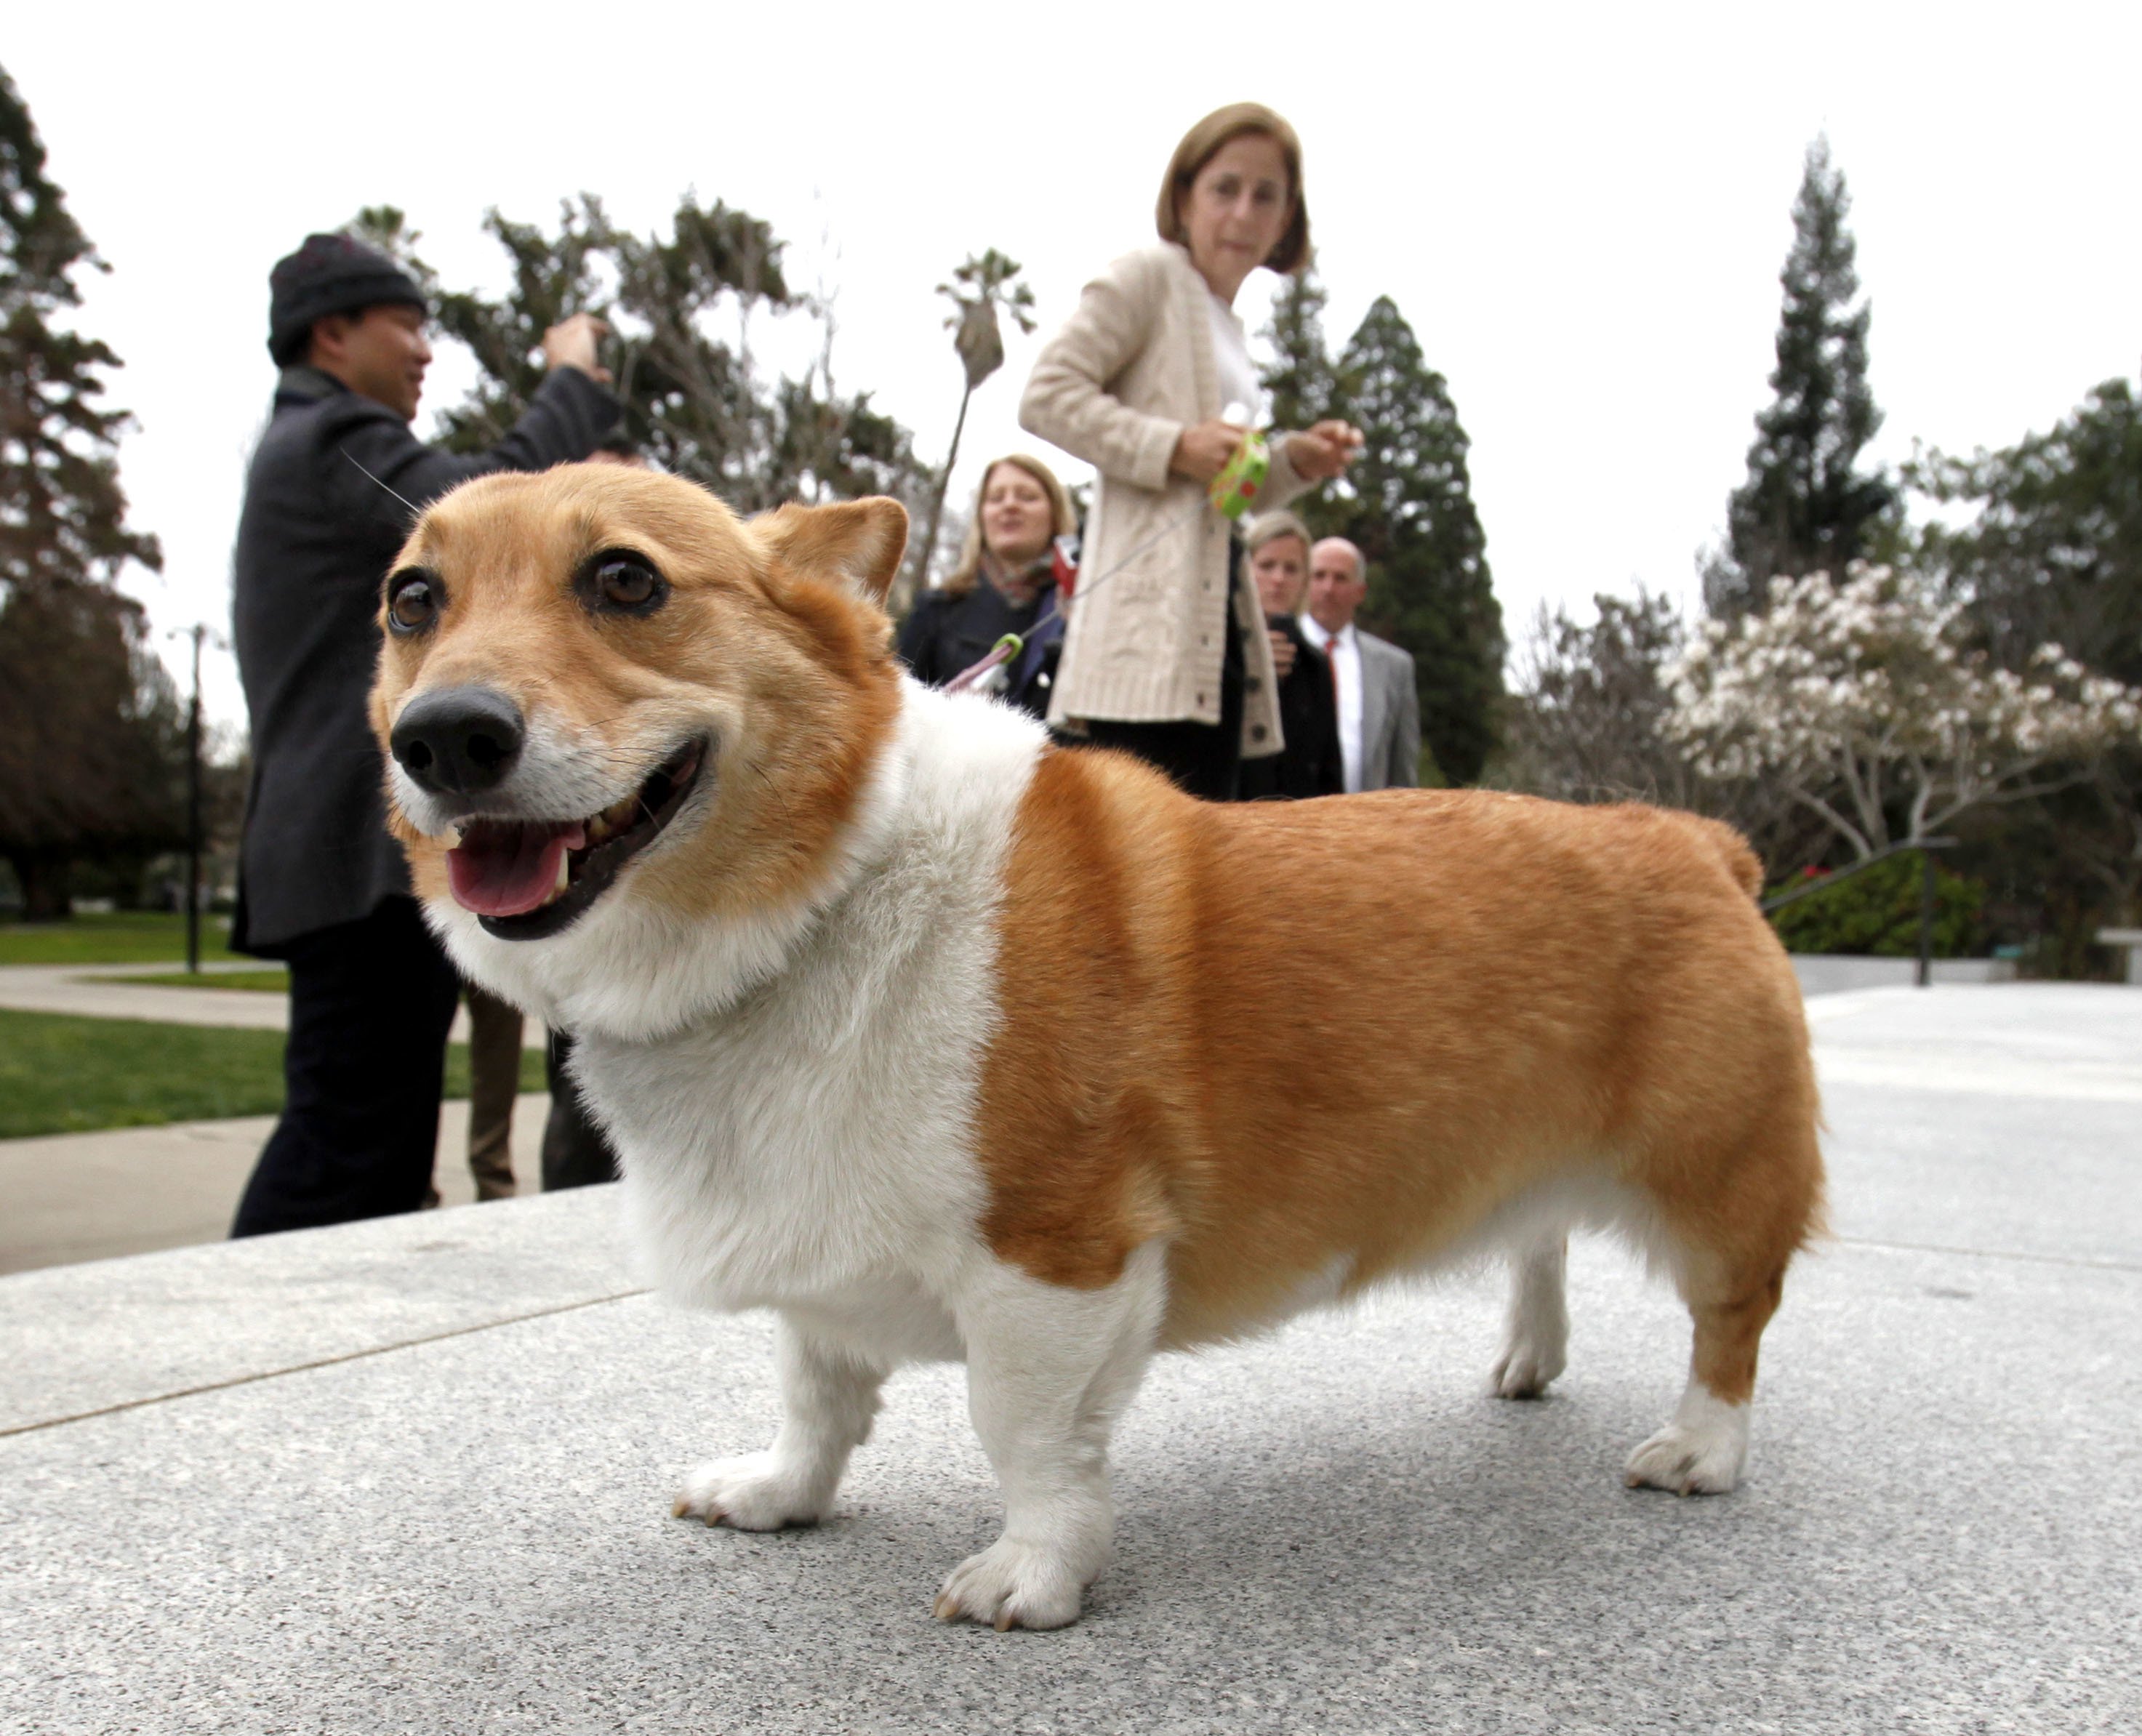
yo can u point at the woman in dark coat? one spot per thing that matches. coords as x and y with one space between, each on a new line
1004 583
1311 764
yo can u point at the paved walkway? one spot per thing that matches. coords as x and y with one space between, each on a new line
414 1475
76 1196
91 991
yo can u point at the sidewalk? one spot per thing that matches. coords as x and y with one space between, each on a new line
75 1196
88 991
413 1476
91 991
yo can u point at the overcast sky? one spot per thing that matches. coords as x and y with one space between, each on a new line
1581 210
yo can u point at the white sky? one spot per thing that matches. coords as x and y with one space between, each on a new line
1581 210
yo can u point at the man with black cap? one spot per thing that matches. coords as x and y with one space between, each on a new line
328 501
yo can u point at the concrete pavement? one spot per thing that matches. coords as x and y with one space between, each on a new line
413 1476
93 991
75 1196
89 991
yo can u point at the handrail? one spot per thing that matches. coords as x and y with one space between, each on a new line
1837 876
1926 847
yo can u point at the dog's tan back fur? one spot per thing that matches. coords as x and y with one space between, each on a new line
1282 1032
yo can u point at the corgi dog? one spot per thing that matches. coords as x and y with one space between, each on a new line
943 1041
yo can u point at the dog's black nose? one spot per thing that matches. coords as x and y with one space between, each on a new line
463 740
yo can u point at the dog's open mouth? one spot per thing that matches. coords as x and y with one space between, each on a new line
527 879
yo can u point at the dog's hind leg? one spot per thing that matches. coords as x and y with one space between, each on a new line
828 1398
1049 1369
1536 1330
1729 1249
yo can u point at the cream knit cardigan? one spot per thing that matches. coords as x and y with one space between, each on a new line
1144 642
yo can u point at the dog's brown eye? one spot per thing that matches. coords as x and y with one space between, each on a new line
625 583
618 582
413 598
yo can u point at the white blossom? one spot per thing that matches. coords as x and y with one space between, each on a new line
1872 688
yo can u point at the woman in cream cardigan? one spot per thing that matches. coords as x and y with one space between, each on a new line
1165 654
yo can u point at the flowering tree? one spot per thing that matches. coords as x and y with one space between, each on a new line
1867 700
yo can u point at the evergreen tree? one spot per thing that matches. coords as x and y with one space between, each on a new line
1807 505
2052 554
2053 551
1300 380
86 742
1408 506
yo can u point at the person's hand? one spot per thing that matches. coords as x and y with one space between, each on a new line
1204 448
571 343
1283 652
1320 453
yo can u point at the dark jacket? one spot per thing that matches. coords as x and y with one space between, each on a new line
945 636
314 541
1311 763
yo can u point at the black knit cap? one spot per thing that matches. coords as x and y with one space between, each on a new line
330 274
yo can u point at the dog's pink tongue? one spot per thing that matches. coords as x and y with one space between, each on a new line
508 867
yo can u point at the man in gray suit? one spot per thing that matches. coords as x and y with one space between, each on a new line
1379 708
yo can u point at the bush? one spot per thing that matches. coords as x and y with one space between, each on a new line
1876 911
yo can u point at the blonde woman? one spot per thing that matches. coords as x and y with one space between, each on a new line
1276 546
1003 583
1166 654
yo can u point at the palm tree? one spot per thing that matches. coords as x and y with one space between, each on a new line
978 288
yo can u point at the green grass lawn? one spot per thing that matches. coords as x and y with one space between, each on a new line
267 980
60 1074
121 937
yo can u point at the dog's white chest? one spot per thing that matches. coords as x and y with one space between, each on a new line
799 1149
812 1144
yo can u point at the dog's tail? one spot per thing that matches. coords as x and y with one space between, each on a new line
1740 862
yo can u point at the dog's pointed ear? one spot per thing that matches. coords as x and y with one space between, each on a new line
858 543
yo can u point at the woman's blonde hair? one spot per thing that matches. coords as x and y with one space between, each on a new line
1203 143
1063 521
1268 527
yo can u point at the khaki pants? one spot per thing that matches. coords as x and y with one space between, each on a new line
494 1082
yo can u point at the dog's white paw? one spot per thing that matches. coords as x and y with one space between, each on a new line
1012 1585
1525 1367
750 1493
1701 1452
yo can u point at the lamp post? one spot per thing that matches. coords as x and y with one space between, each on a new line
193 809
200 633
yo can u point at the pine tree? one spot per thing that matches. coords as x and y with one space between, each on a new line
86 746
1806 506
1299 381
2053 551
1409 507
2053 555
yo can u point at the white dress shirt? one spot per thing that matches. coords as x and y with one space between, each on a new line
1344 649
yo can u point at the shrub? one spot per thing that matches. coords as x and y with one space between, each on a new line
1876 911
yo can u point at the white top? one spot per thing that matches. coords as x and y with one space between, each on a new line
1344 649
1231 354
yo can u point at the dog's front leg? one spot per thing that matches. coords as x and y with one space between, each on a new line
828 1398
1049 1370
